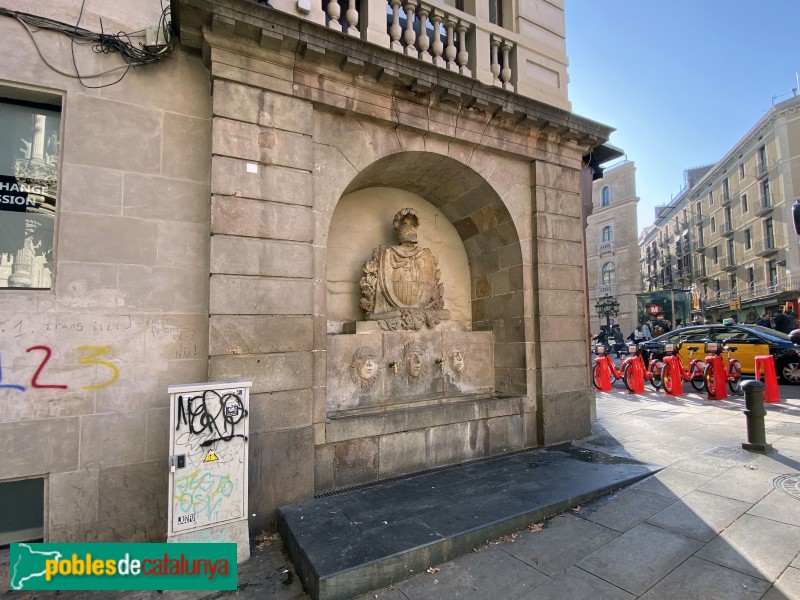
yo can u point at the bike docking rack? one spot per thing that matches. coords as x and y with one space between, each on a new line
602 370
673 382
634 371
717 368
765 366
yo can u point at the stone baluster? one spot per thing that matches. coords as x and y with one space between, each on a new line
463 55
410 36
495 63
351 16
450 50
395 31
423 41
505 72
437 47
334 13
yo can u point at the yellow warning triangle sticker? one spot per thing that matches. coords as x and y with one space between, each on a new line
210 457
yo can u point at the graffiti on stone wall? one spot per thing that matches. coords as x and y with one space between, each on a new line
91 356
48 352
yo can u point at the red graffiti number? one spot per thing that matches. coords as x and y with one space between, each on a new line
35 380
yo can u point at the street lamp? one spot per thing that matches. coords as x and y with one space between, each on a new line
607 307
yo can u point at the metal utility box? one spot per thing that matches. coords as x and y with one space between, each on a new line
208 441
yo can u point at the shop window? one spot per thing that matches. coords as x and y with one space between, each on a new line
29 155
25 522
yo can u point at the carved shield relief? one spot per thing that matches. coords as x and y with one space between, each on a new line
408 281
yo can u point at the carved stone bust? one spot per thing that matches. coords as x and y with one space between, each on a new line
401 287
364 368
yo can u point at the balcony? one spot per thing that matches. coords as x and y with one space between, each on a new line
767 246
726 198
762 168
727 229
605 247
700 274
699 245
765 205
464 42
728 263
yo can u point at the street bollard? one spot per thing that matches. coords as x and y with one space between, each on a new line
755 413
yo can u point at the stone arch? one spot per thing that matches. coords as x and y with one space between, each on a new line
490 236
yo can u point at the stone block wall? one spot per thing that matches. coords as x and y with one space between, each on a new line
127 313
262 287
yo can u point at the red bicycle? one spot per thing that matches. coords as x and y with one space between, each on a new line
694 375
652 372
601 353
733 371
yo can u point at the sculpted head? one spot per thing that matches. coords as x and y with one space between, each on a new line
405 225
457 360
364 368
412 359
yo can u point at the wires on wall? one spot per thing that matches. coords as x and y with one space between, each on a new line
133 55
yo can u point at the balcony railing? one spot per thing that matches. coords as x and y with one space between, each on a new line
727 229
767 246
756 292
434 33
765 204
728 263
762 168
605 247
700 274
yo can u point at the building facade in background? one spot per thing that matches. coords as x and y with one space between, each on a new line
612 254
207 217
746 250
728 238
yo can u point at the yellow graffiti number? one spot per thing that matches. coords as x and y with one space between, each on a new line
91 359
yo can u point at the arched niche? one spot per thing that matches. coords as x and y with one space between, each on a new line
363 221
484 231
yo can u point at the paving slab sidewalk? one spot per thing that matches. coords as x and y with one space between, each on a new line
717 522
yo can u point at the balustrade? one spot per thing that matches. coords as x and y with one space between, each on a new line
433 33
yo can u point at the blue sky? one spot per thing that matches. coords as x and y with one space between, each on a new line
681 81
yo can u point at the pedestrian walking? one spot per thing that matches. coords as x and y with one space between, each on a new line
786 322
764 321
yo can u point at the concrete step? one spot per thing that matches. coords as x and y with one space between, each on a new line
348 543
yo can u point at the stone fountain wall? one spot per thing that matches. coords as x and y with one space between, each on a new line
348 394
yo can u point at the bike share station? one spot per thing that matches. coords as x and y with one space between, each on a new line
208 482
704 374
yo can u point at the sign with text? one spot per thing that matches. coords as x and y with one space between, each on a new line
133 566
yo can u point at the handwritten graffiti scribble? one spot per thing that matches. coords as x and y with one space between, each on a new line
202 493
213 414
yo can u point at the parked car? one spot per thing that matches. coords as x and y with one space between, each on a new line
750 341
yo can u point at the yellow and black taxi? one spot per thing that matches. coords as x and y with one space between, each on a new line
750 341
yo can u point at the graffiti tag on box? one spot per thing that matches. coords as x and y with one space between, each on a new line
212 415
